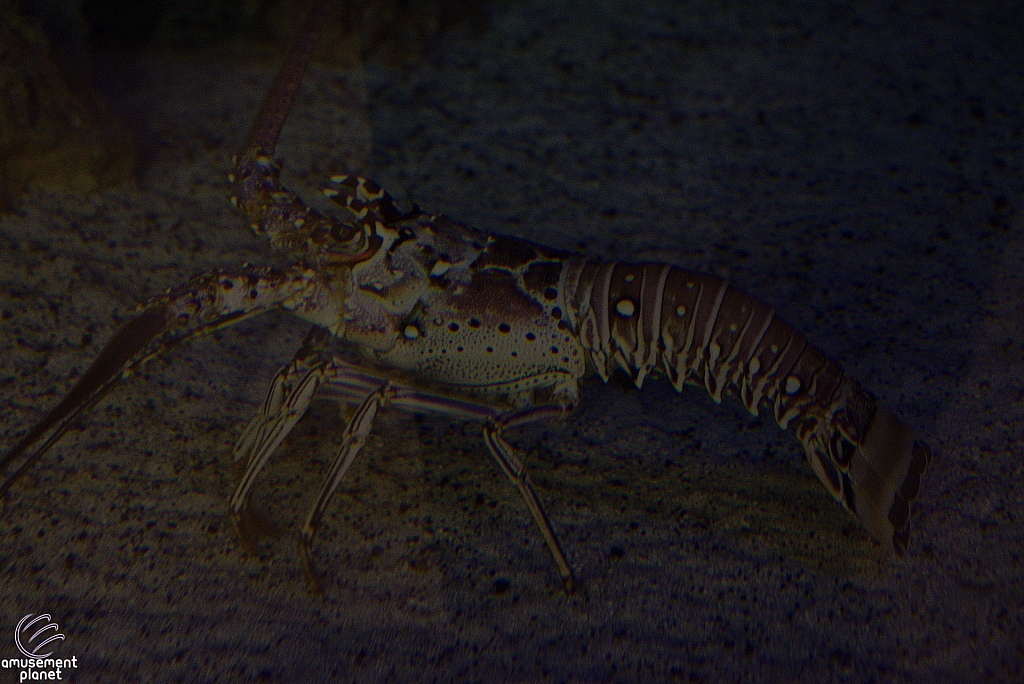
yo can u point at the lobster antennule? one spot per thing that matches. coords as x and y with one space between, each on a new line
708 333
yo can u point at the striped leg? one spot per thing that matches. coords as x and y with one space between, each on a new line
292 392
286 402
356 432
293 389
350 382
514 469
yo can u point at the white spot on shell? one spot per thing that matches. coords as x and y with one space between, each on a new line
732 328
754 366
411 332
774 348
792 384
625 307
680 311
338 179
329 192
630 278
440 268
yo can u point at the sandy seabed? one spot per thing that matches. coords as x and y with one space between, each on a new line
859 169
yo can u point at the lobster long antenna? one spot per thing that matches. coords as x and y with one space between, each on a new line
268 125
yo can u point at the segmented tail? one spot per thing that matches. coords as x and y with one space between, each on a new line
647 318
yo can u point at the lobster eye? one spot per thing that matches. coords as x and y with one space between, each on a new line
353 243
347 238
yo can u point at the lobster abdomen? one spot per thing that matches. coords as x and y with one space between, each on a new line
647 318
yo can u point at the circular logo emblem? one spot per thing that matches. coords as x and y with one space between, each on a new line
30 637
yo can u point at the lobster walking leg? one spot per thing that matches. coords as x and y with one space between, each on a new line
287 400
292 391
514 469
354 437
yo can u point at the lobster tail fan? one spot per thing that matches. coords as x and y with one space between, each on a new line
869 460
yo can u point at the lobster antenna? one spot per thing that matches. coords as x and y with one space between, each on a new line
268 125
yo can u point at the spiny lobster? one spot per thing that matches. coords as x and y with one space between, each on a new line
491 328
